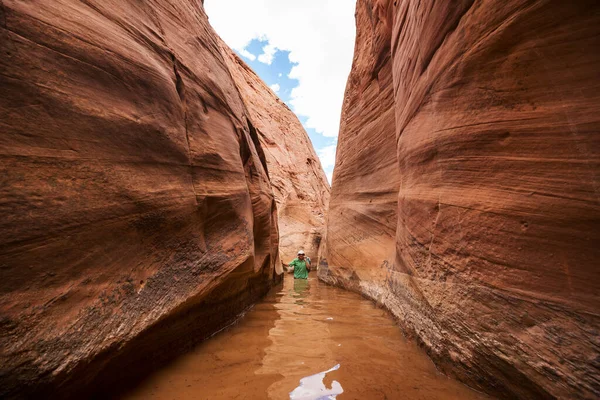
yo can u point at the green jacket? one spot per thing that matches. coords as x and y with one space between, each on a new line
300 270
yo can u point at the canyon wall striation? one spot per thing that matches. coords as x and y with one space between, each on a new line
482 237
362 212
299 183
137 212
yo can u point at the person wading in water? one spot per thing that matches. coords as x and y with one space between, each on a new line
301 266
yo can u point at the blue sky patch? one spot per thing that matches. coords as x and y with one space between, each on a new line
277 73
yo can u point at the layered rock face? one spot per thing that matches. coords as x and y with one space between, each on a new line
299 183
497 113
137 213
362 217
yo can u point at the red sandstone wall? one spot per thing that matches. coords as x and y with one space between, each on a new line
299 183
362 215
136 211
496 110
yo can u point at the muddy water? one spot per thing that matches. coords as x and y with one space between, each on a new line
305 340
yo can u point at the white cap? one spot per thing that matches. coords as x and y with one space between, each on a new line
300 252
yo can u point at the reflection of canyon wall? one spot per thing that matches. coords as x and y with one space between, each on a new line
137 214
493 261
299 183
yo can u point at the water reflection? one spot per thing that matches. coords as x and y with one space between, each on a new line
300 290
300 286
303 327
299 343
313 388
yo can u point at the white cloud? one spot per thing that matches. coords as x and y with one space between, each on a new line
247 54
280 75
327 156
319 34
275 87
329 175
268 53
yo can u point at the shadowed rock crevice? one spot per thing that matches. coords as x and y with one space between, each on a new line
256 141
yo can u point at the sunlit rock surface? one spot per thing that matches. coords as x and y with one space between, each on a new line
493 261
299 183
137 213
362 211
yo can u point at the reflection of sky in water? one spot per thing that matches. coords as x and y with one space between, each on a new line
313 388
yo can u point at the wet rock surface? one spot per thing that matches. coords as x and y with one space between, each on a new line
299 183
492 263
137 212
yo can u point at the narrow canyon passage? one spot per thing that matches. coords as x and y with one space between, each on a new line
301 329
156 178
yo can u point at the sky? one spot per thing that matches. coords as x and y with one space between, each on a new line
302 49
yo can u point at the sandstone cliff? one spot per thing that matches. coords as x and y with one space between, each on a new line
362 211
493 261
299 183
137 213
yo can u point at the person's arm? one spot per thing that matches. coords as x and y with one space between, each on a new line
308 264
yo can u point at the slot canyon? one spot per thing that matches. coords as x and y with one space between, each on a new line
154 189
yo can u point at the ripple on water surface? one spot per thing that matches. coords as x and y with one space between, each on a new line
305 340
